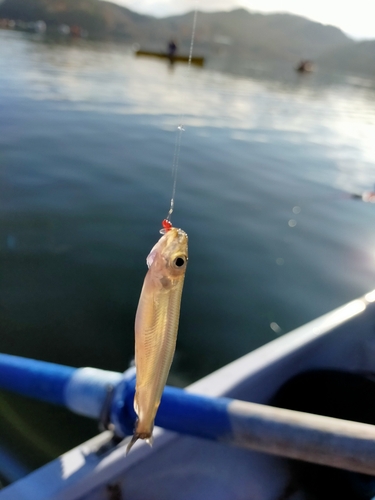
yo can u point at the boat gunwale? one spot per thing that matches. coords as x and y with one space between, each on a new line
98 470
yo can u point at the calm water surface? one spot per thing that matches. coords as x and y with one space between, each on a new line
268 162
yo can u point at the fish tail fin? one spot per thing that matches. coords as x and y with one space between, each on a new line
150 440
133 440
140 435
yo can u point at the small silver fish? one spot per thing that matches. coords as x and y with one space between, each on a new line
156 325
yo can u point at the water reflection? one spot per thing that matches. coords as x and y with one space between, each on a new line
107 78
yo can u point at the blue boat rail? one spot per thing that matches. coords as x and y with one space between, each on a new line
108 397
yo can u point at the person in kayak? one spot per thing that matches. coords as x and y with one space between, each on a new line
171 51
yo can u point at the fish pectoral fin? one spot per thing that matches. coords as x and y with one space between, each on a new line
133 440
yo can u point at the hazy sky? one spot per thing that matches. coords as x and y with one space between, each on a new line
356 18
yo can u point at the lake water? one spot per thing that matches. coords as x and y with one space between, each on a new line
268 161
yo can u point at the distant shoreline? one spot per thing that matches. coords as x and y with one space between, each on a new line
239 33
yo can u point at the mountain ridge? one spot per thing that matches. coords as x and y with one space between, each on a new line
237 33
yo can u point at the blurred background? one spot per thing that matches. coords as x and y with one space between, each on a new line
276 159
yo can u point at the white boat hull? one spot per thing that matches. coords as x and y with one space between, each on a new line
182 467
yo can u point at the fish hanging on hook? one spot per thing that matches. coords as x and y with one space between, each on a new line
156 325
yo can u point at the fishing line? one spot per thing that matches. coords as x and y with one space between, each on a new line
180 128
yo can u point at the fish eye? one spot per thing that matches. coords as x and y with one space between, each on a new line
179 261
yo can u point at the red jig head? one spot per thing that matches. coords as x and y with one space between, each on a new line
167 225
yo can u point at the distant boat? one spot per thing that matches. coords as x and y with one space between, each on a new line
198 61
305 67
366 196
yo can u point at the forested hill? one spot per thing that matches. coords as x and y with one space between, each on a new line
282 37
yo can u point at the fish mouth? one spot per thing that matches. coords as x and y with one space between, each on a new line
181 240
176 235
181 235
